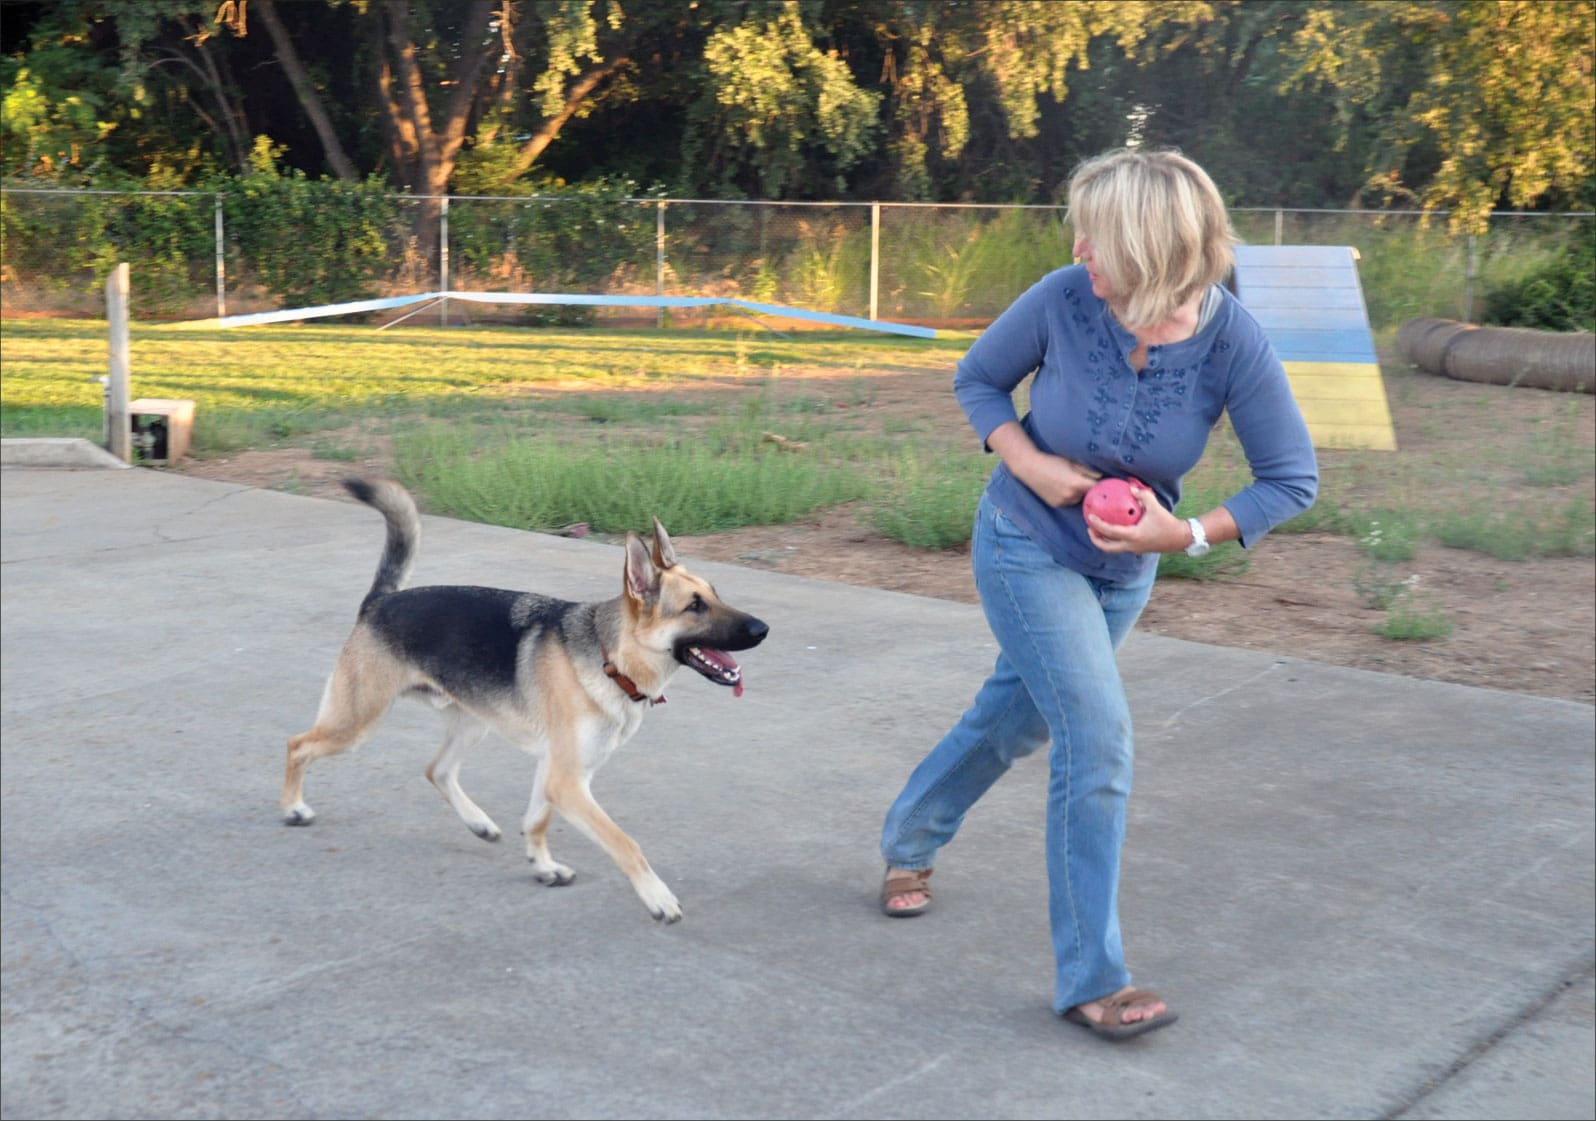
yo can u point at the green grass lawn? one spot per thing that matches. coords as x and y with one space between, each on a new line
470 433
305 377
631 434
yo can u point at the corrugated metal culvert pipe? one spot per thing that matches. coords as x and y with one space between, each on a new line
1563 361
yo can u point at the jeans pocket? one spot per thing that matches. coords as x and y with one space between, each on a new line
1004 529
1003 546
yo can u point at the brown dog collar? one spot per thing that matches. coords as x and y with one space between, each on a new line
626 684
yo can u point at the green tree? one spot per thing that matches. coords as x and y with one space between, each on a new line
1470 104
121 88
50 118
775 106
1464 104
983 79
1212 87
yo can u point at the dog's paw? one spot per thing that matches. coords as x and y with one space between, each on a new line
485 829
550 873
659 900
298 814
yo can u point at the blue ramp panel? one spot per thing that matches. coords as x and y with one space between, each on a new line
1309 302
293 315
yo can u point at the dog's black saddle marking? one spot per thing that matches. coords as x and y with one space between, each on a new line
466 638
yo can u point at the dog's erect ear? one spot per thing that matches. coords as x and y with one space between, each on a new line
642 575
664 551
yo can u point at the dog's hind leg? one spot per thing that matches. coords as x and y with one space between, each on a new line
535 826
465 732
357 695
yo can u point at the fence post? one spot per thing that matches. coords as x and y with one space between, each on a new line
1470 273
119 441
221 260
875 255
443 261
659 260
1280 227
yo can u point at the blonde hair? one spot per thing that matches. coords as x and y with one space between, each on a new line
1158 227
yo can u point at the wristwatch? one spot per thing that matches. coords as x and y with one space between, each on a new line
1199 539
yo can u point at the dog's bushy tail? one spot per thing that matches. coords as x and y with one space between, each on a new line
398 509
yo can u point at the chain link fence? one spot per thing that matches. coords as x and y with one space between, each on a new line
200 254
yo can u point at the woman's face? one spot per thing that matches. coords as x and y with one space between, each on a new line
1083 253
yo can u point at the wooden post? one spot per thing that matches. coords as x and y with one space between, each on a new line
443 261
659 260
118 439
221 261
1470 275
875 255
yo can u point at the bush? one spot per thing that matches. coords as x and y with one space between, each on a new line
310 241
1558 296
166 238
565 238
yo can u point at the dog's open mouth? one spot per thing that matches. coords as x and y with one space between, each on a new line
716 665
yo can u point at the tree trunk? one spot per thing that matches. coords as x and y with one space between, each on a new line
579 93
433 150
426 155
309 99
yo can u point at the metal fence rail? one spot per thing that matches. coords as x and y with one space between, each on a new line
939 264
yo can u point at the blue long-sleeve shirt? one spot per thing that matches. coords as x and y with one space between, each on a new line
1089 405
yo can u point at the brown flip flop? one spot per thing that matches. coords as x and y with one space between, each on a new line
905 883
1111 1026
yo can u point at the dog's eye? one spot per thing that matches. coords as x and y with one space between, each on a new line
698 606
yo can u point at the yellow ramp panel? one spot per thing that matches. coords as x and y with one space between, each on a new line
1309 301
1344 404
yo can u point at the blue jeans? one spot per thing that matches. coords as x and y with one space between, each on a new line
1055 681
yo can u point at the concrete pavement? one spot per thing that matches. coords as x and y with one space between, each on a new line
1367 895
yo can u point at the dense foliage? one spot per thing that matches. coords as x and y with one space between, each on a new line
1460 104
1559 295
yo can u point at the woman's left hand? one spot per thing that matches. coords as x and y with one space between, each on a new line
1158 531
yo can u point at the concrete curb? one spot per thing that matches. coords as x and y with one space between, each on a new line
56 452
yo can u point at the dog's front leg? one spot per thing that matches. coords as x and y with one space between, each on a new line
570 795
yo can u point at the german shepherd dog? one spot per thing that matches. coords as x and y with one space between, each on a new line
566 682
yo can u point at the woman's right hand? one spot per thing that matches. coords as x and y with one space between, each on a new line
1057 480
1054 479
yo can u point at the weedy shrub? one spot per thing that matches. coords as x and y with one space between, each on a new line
827 269
1556 456
692 486
1559 294
1215 479
1568 530
930 503
1409 622
1389 536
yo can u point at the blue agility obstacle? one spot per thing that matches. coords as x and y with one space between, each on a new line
1309 302
392 302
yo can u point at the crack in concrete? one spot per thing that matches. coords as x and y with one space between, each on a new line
1474 1054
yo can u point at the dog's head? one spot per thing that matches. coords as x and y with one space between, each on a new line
677 611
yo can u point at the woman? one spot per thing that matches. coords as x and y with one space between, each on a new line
1137 351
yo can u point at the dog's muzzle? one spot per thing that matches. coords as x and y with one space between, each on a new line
714 663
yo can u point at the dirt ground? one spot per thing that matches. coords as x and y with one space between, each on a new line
1526 626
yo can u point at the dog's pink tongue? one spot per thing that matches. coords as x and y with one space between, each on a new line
737 690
